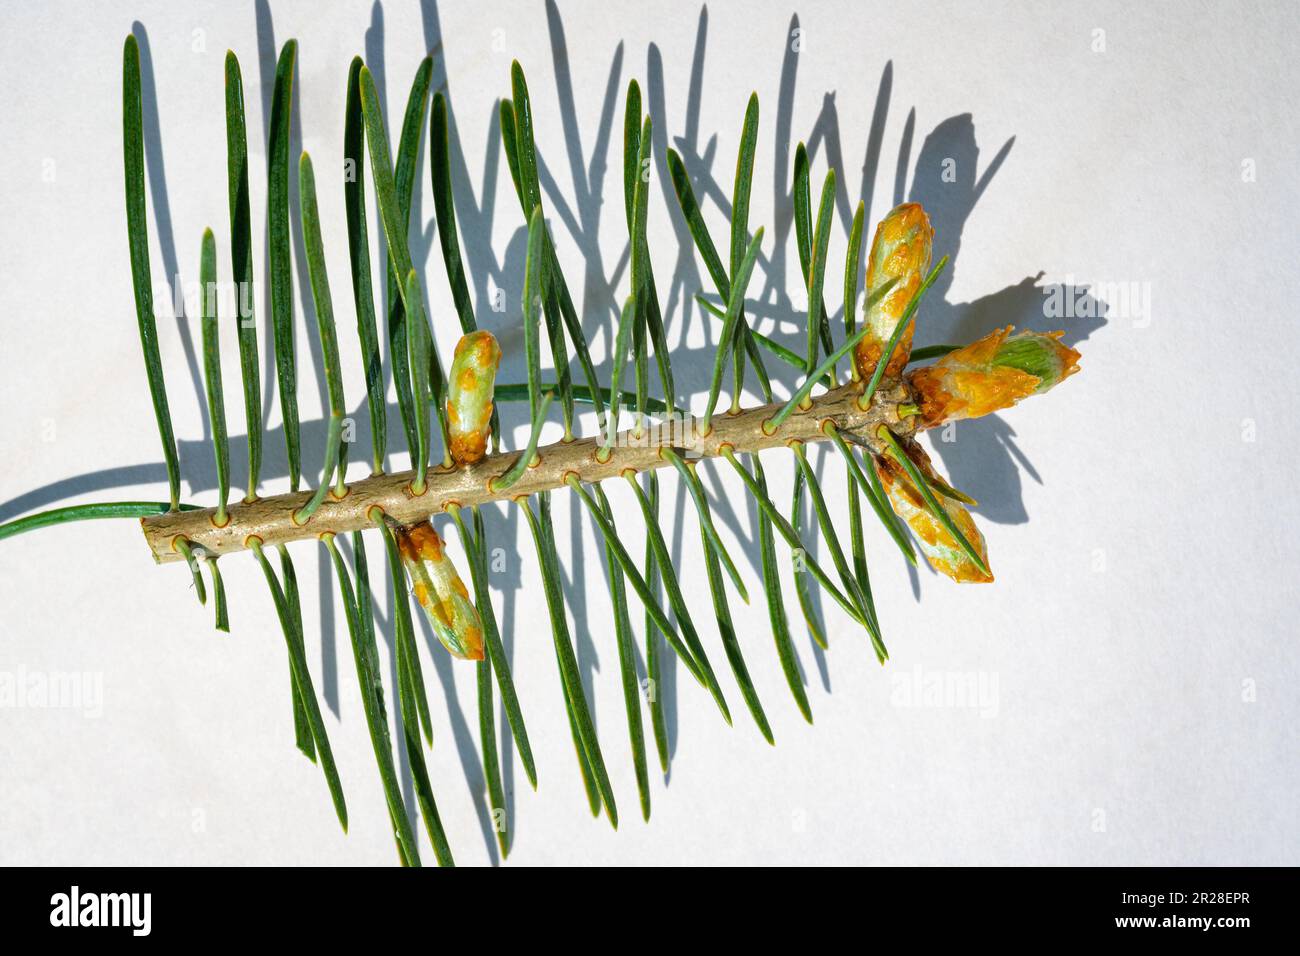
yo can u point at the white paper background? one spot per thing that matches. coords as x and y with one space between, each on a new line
1140 520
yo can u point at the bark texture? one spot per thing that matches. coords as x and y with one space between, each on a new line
271 519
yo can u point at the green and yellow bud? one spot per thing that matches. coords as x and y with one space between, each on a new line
937 544
469 395
900 250
440 591
990 374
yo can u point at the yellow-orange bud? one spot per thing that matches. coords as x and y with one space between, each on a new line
440 591
469 395
990 374
939 547
900 250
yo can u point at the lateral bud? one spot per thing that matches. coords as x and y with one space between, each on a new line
939 547
900 250
439 590
469 395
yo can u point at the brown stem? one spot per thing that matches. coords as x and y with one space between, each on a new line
270 520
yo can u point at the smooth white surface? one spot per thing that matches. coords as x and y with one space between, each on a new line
1137 650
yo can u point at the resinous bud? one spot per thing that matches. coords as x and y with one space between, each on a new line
900 250
939 546
440 591
469 395
990 374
